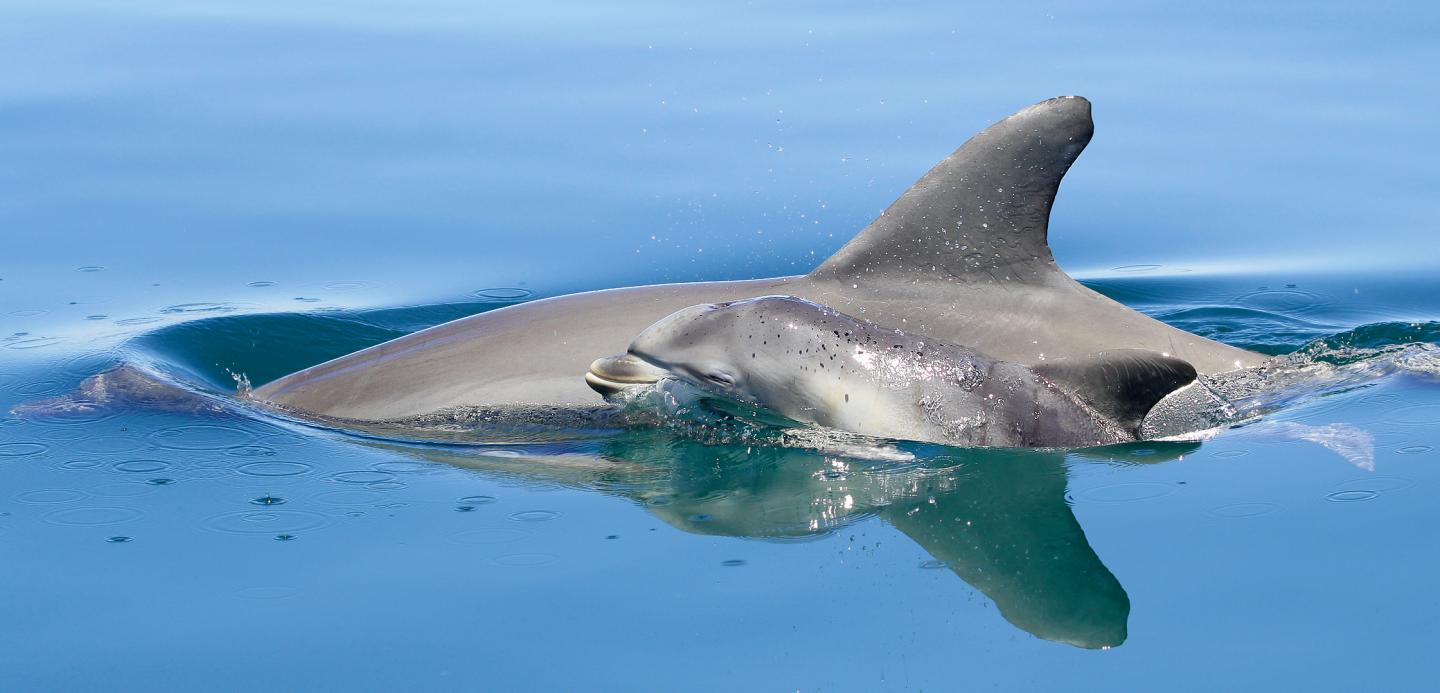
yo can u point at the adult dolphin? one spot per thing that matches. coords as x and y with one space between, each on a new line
962 256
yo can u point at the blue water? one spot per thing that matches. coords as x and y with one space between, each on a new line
248 188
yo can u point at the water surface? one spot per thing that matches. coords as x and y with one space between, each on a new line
219 190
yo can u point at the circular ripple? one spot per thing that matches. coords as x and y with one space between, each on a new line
275 468
267 522
1128 492
63 433
105 444
1414 449
90 517
534 515
1352 496
266 592
90 268
40 387
203 307
251 451
1418 415
137 321
351 497
1378 484
734 563
50 495
34 343
82 464
22 449
141 466
349 285
28 312
489 536
502 293
526 560
934 564
260 284
363 476
1232 453
402 467
477 500
1240 510
122 489
1288 301
201 437
1135 268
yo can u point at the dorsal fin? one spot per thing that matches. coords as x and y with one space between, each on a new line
1122 385
981 215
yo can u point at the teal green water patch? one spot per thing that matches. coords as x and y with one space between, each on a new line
213 352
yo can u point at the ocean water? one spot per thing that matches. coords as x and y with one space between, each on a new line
227 191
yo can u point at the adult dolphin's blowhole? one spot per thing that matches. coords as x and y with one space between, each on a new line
962 257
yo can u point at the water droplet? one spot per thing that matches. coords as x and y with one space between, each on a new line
733 563
119 540
284 537
268 500
161 481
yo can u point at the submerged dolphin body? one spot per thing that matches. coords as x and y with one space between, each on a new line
962 257
816 365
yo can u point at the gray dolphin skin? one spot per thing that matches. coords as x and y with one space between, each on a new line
813 364
962 257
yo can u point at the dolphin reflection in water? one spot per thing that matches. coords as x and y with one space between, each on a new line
997 518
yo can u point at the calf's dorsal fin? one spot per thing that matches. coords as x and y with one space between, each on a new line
1122 385
981 215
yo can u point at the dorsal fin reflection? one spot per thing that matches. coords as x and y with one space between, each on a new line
998 519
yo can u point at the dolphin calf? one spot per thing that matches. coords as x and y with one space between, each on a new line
813 364
962 257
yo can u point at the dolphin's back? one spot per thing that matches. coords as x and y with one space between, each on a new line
962 256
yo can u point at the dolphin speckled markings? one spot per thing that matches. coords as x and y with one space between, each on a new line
962 256
813 364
